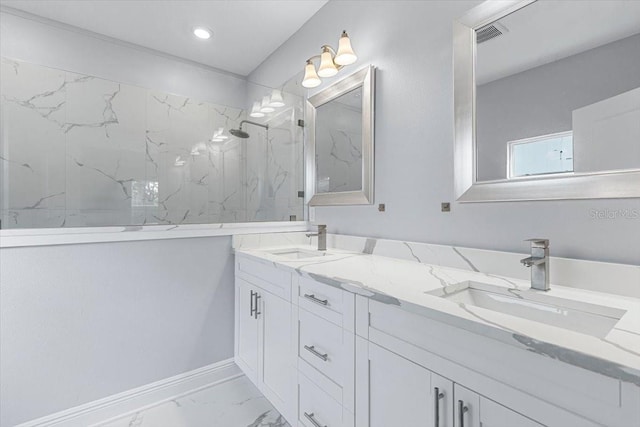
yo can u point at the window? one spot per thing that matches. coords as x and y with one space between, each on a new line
540 155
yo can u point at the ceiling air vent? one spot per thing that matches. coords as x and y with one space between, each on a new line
489 32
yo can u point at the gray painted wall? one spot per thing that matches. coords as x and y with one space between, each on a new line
540 101
411 44
81 322
39 43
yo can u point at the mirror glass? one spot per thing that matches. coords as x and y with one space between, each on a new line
558 90
340 141
339 144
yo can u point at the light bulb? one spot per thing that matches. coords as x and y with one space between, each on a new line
311 78
202 33
345 55
327 67
264 106
276 99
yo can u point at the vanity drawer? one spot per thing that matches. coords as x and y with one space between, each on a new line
324 346
317 406
267 277
321 299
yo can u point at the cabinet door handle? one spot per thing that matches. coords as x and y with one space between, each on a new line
312 349
311 418
256 311
253 294
461 410
436 406
313 298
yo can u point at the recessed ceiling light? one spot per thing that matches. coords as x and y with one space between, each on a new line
202 33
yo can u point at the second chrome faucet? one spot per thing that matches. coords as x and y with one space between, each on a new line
539 264
322 237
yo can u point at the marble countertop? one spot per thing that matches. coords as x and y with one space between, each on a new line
407 284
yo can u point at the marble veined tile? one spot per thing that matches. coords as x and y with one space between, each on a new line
77 150
235 403
32 141
105 131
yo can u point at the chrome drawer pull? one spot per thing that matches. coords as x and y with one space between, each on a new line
253 294
313 298
461 410
436 403
312 350
257 312
313 420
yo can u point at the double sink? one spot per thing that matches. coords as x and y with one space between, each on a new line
533 305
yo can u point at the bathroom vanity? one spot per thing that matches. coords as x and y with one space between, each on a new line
348 337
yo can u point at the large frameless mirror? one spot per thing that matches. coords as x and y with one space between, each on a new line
547 101
340 141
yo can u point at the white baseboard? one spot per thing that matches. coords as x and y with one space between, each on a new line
142 397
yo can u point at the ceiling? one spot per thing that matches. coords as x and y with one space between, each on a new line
245 32
547 31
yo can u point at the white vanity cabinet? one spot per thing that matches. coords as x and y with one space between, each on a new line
328 357
402 393
473 410
264 332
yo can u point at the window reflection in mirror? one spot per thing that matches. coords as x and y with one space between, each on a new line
556 68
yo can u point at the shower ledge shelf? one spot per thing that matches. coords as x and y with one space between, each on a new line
14 238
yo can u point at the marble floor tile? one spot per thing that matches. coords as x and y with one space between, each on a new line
235 403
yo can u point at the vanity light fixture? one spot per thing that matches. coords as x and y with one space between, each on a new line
330 62
202 33
265 106
255 110
219 136
277 100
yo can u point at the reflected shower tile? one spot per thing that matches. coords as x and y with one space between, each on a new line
32 218
32 146
105 144
104 217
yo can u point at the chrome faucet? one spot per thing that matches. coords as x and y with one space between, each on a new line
539 264
322 237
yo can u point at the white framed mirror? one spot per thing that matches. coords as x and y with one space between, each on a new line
340 142
547 101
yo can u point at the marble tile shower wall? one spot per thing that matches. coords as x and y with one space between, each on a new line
77 150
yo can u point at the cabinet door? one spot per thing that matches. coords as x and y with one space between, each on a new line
493 414
401 392
246 330
277 352
473 410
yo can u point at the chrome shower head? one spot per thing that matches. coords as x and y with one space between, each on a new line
239 133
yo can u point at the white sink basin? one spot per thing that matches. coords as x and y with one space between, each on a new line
590 319
297 253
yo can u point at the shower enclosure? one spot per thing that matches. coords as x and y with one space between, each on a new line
77 150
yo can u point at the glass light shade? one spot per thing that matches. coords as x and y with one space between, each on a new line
345 55
310 79
220 134
255 110
327 67
264 107
277 100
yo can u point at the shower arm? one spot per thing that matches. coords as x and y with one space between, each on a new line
253 123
